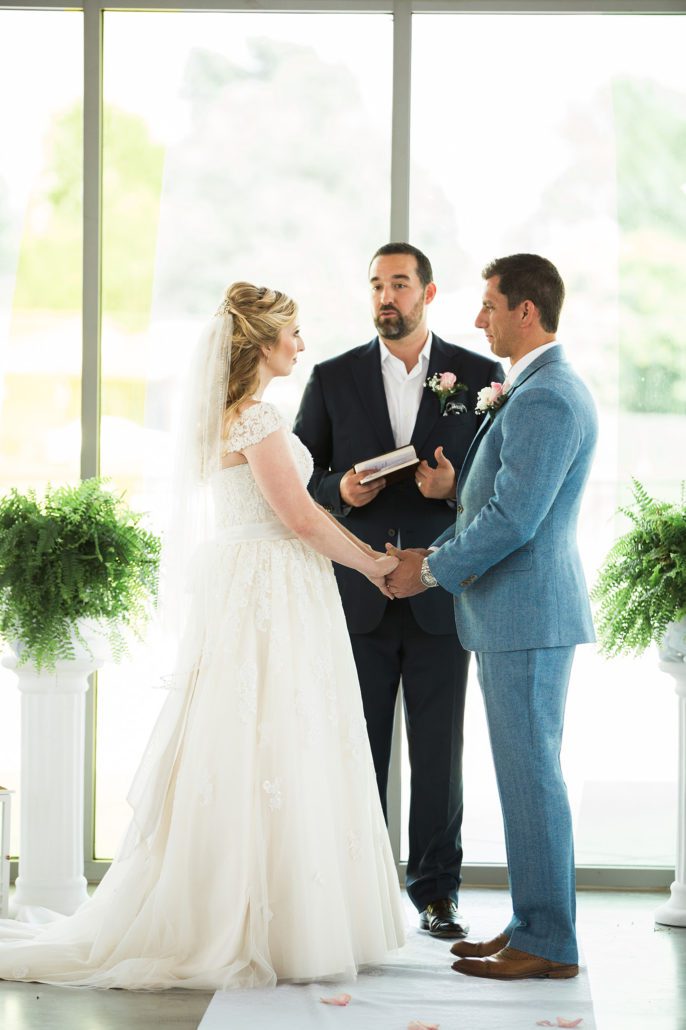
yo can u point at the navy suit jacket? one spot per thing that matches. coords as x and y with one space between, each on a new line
343 419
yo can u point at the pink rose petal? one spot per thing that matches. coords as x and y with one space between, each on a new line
560 1021
417 1024
337 999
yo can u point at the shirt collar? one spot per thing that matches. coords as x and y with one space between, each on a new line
424 354
523 363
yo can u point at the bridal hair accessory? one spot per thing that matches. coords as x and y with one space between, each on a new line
444 385
490 398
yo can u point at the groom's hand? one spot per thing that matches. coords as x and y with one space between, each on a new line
404 581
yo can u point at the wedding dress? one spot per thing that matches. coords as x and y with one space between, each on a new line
257 849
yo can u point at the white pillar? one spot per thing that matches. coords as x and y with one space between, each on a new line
51 787
673 912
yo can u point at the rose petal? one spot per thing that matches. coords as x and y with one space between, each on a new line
337 999
417 1024
561 1021
544 1022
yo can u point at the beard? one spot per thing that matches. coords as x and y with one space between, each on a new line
399 326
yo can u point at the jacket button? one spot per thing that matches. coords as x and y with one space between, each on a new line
459 509
391 532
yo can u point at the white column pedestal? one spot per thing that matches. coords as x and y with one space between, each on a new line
51 788
673 912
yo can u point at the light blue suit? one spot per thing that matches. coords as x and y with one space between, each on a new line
521 603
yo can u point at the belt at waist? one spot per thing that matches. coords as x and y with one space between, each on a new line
255 531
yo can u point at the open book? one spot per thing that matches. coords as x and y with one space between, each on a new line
391 466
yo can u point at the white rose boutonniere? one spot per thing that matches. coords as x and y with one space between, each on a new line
490 399
445 385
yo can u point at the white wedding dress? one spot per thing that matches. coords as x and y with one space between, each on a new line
257 849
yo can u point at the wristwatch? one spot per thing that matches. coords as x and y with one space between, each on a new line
426 575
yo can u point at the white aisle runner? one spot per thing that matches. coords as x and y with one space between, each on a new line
416 984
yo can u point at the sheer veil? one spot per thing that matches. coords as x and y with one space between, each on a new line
197 458
188 567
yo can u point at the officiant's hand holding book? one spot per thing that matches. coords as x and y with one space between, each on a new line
361 484
392 466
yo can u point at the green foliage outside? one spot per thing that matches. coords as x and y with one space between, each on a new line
642 584
49 268
80 553
650 123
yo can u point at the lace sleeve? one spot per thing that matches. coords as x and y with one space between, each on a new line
252 426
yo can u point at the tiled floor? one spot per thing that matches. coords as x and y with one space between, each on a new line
637 972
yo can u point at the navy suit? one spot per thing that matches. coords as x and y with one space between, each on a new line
343 419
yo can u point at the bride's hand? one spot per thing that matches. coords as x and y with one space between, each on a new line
382 566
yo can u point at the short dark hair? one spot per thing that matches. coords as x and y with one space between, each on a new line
530 277
424 270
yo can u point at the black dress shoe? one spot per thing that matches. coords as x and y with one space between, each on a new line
441 919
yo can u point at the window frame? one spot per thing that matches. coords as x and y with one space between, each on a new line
620 877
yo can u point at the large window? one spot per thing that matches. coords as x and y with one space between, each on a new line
578 153
242 157
261 145
40 276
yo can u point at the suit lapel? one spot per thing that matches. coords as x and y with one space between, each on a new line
473 447
369 382
554 354
429 413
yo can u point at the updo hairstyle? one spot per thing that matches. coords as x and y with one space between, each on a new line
259 314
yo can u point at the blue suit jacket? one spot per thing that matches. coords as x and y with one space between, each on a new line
511 559
343 419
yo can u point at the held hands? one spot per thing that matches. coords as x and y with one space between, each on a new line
354 493
437 483
383 566
404 580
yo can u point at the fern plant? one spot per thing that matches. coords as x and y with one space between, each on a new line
79 553
641 586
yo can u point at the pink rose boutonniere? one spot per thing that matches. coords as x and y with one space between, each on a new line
445 385
490 399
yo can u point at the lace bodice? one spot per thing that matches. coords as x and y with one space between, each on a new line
238 499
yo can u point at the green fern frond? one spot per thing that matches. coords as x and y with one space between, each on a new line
641 586
78 553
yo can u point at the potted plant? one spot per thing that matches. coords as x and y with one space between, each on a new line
76 561
77 554
641 589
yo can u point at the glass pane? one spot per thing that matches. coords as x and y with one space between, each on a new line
236 146
584 163
40 277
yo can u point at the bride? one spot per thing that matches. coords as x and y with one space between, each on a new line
257 849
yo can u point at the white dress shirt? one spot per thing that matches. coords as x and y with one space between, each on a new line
404 389
519 366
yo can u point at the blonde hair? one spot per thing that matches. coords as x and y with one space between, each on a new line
259 314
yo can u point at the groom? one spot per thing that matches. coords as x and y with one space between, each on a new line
520 600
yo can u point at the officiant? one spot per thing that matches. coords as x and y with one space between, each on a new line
406 386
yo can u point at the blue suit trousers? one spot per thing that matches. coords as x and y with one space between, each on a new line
525 694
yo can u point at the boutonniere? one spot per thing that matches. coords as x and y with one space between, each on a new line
490 399
444 385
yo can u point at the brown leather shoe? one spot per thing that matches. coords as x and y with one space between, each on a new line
511 964
480 949
441 919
